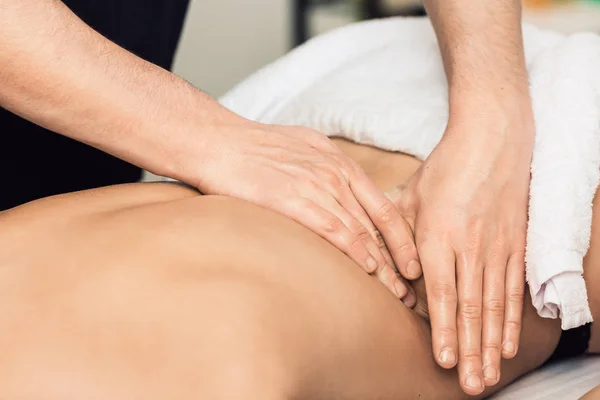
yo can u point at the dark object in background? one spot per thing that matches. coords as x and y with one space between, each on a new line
375 9
572 343
36 163
369 9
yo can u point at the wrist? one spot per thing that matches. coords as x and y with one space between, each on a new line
493 123
493 106
198 141
169 129
489 94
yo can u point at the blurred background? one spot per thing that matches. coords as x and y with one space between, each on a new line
226 40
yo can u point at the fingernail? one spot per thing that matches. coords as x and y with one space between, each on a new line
490 374
447 356
371 265
474 382
413 269
400 289
409 300
509 348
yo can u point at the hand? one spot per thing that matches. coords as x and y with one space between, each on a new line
467 206
300 173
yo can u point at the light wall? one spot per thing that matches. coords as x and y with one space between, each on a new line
224 41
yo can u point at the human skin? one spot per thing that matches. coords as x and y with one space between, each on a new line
57 72
150 291
593 394
469 200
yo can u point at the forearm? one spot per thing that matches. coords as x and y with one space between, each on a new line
59 73
482 48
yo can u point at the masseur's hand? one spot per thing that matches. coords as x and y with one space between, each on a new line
300 173
467 205
59 73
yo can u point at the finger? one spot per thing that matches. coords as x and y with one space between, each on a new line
410 299
331 228
469 276
493 321
514 297
440 283
349 202
339 200
386 218
386 272
328 223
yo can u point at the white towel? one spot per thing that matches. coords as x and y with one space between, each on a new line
382 83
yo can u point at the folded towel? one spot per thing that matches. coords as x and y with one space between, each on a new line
382 83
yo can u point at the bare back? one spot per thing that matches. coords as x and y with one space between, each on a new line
146 290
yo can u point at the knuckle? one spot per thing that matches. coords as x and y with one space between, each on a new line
469 312
446 331
515 295
520 253
471 255
332 179
385 271
299 209
492 347
472 354
302 205
386 212
444 293
494 307
359 237
332 225
407 248
296 203
512 326
356 227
